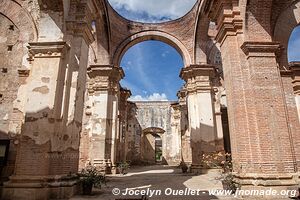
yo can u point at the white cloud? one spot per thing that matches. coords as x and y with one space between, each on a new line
152 97
159 8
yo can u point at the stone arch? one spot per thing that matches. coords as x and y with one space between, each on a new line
257 25
154 130
283 30
21 18
150 149
151 35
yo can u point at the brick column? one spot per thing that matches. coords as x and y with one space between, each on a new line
261 140
201 116
104 91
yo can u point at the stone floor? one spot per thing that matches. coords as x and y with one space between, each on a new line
158 178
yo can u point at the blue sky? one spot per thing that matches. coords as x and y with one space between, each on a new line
152 71
152 67
294 45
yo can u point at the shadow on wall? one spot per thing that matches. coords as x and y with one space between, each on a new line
7 161
202 143
48 143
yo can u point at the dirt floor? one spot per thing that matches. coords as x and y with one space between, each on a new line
158 182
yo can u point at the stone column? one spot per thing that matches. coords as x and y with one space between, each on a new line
123 107
186 149
175 143
37 143
104 91
201 115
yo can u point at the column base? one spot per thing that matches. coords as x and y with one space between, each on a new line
39 187
268 183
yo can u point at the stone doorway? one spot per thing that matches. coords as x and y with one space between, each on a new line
152 145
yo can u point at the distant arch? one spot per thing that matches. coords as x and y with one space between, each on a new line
154 130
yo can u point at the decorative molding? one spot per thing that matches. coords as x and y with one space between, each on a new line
198 77
197 70
23 72
261 49
79 21
227 15
295 69
104 78
46 50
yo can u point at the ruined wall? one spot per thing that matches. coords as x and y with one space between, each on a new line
161 115
133 135
10 61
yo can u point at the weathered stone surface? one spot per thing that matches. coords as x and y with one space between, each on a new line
62 106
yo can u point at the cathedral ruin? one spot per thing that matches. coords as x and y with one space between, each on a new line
62 105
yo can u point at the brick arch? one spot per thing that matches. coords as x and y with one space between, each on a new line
257 25
21 18
151 35
284 29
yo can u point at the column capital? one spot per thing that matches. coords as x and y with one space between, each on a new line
79 21
295 69
181 94
193 71
46 50
226 14
261 49
198 77
104 78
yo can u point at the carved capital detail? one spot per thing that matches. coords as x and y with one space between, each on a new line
198 77
228 18
104 78
46 50
295 69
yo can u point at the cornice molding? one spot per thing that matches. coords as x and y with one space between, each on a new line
197 70
104 78
46 50
250 47
228 18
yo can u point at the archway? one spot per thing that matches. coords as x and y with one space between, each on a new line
151 35
152 145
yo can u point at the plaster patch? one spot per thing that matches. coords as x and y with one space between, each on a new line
42 90
45 79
